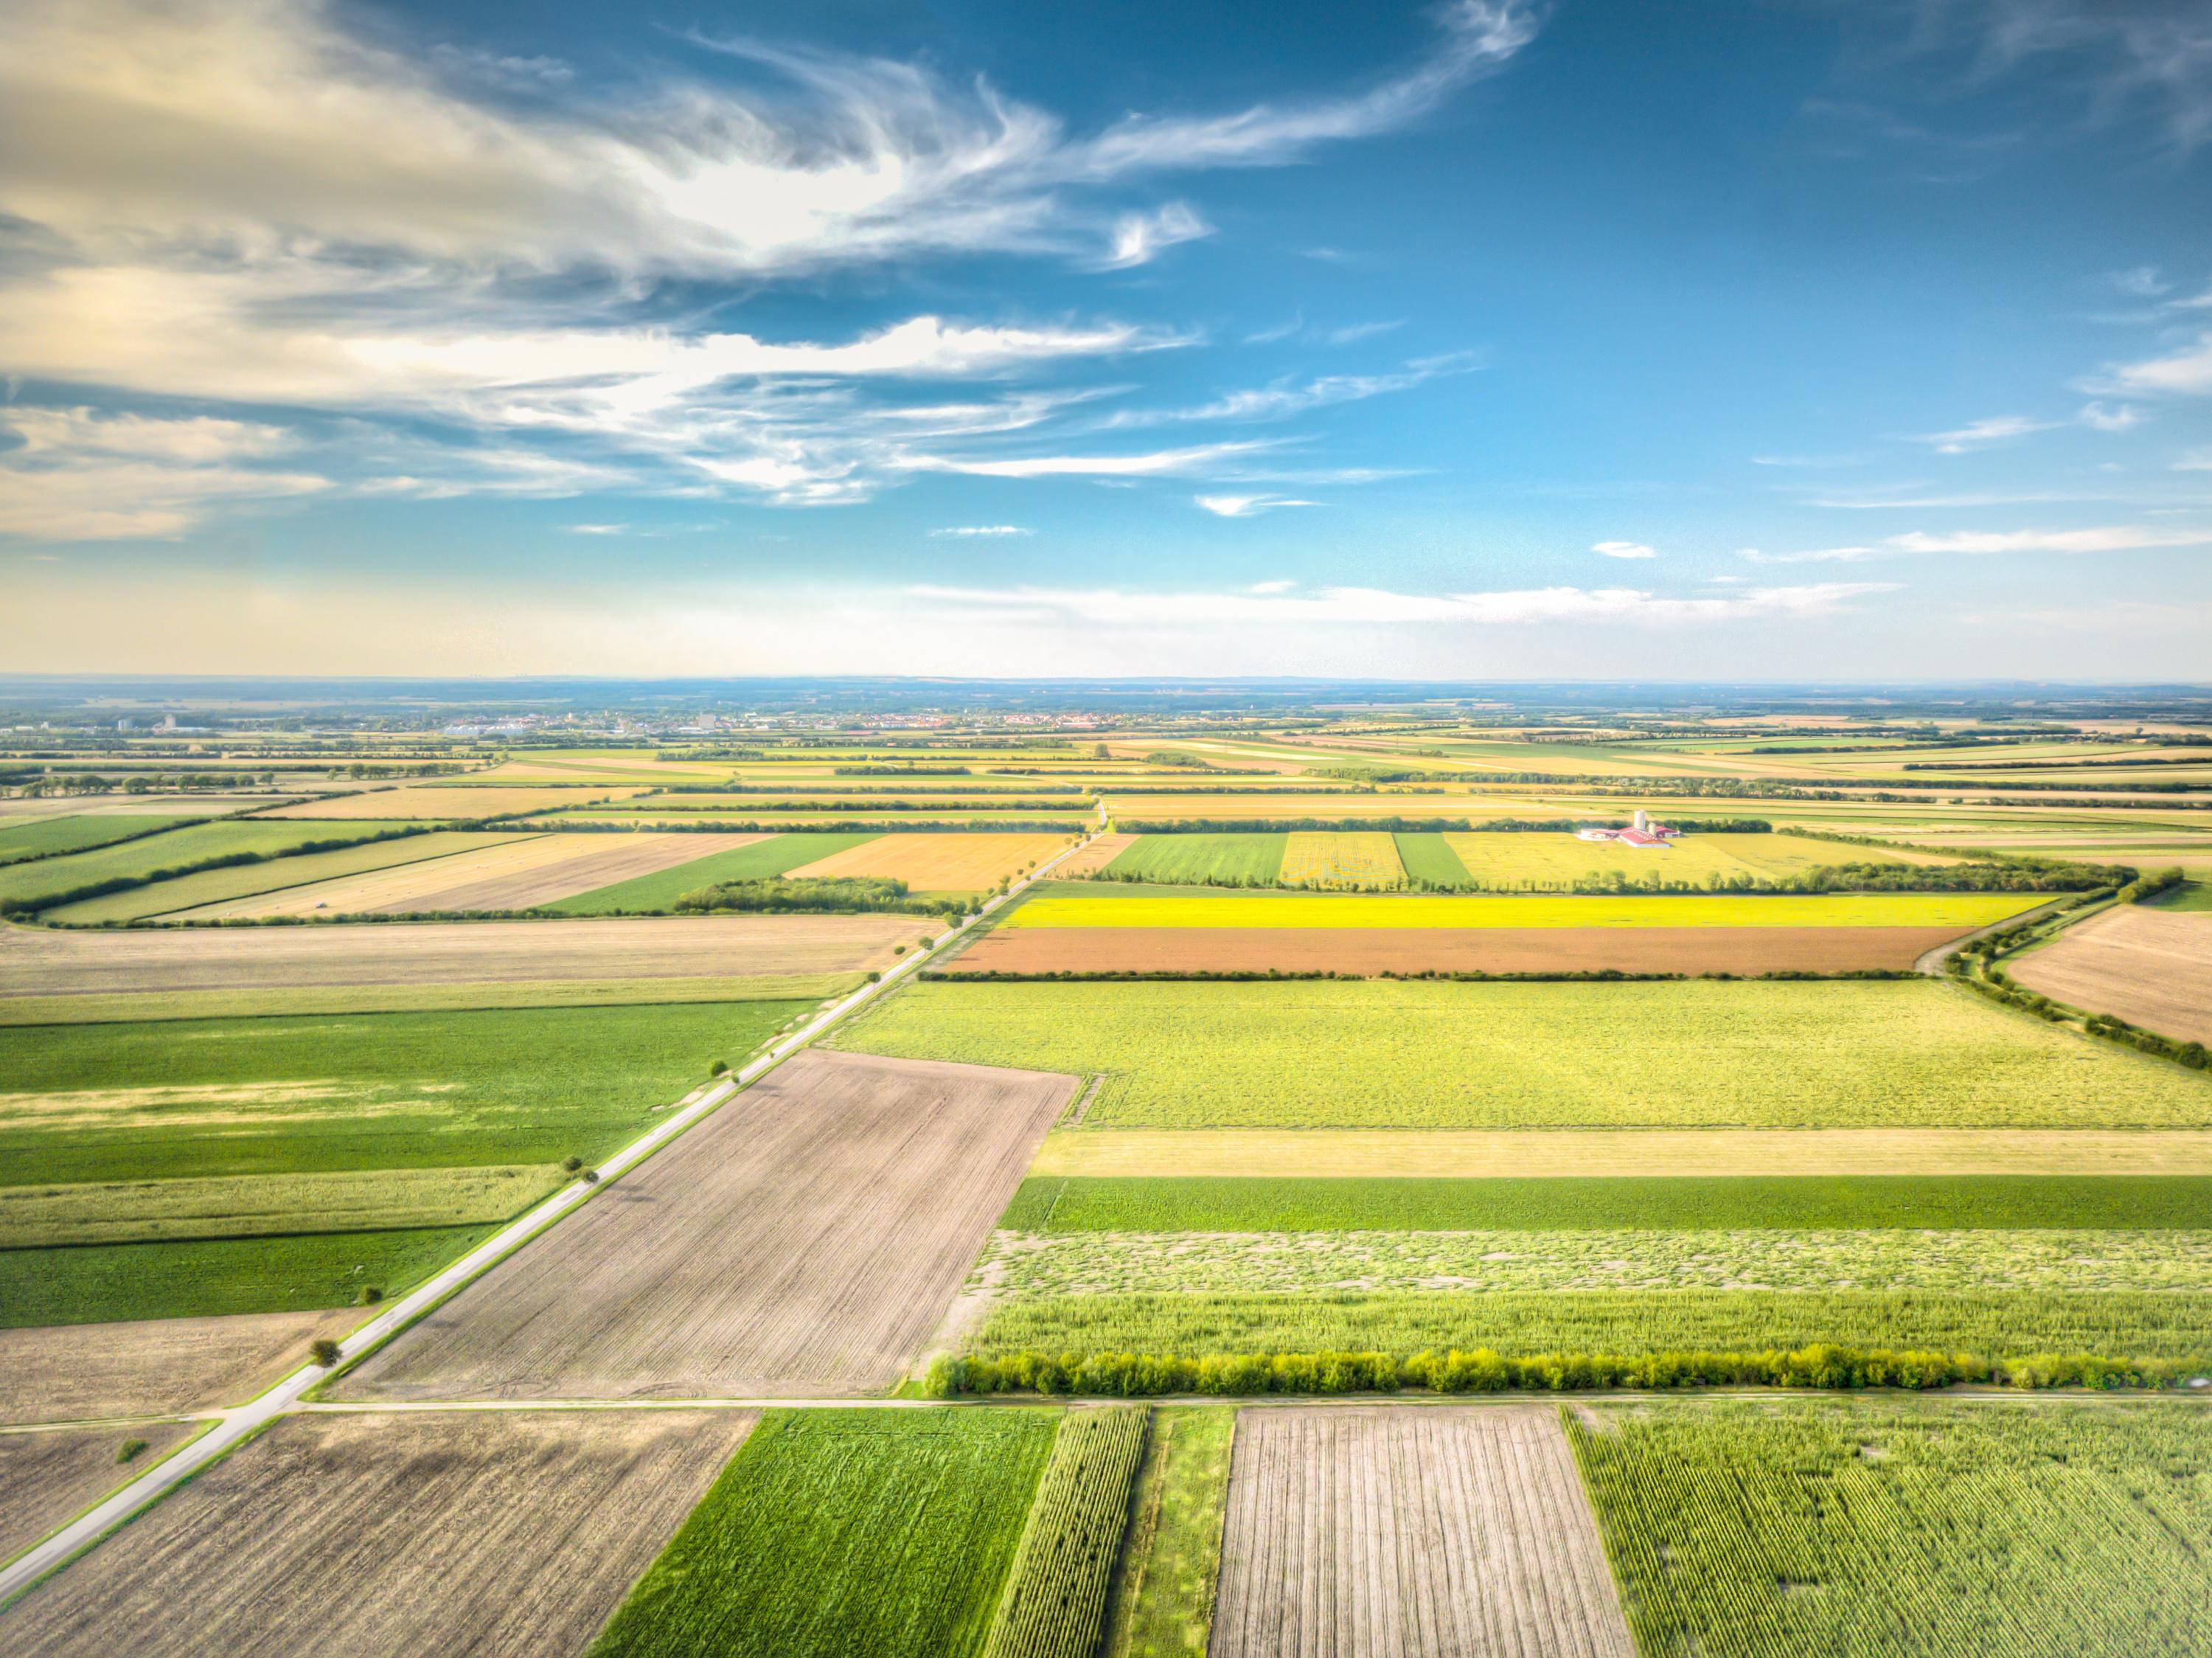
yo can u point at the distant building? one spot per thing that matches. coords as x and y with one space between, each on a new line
1642 831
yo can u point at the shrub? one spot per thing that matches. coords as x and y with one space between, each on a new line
572 1164
369 1296
720 1067
132 1449
324 1352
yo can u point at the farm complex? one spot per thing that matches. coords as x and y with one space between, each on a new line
1309 1179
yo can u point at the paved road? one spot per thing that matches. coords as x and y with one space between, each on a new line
235 1425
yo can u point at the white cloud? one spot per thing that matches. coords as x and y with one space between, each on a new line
1981 434
2188 371
597 529
2194 460
75 475
1625 550
1246 506
2113 539
982 529
1353 333
1140 238
1271 587
2144 281
2110 420
1285 399
1161 463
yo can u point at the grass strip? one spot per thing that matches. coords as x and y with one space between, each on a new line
58 836
1160 1604
102 1283
1058 1206
833 1533
1056 1598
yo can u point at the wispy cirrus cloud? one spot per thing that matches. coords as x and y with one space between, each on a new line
77 474
989 531
1247 506
2118 538
1625 550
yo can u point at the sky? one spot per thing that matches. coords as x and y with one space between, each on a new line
1685 339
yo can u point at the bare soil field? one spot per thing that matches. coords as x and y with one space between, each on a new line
2152 968
511 877
1102 852
938 864
157 1366
501 1535
1388 1532
49 1478
805 1240
36 961
1367 950
1479 1153
456 801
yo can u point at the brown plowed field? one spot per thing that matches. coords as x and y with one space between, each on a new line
805 1240
2152 968
938 862
500 1535
36 961
1410 1531
1102 852
1451 949
48 1479
85 1372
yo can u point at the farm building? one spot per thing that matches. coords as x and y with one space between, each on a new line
1641 832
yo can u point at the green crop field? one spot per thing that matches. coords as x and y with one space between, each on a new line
774 857
1103 904
244 881
836 1533
193 844
2009 1323
2190 895
101 1284
1201 858
1430 858
1062 1206
1582 1260
1777 1530
415 1090
1162 1603
1386 1054
1055 1601
45 836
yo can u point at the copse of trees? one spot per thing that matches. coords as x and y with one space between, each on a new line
843 895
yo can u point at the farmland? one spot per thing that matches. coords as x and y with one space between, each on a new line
174 849
1201 858
44 838
834 1533
1421 1055
1833 1527
1354 1531
46 1479
1341 859
1507 862
1073 905
281 885
452 802
722 857
2151 966
939 862
1161 1605
86 1372
1054 1602
837 1183
520 1535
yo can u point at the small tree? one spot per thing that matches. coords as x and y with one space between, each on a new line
324 1351
572 1164
720 1067
132 1450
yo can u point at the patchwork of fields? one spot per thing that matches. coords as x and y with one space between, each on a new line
455 801
2151 966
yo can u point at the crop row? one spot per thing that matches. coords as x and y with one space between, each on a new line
1056 1598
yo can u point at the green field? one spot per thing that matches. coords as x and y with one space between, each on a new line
193 844
1773 1530
1060 1206
417 1090
1202 858
1508 861
836 1533
44 837
1055 1601
244 881
1099 904
1430 858
100 1284
1386 1053
2191 895
2165 1325
1162 1601
774 857
1583 1259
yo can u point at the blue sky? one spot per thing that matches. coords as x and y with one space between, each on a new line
1601 339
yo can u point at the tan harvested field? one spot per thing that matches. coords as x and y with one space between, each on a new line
1365 950
516 877
1476 1153
2152 968
36 961
458 801
155 1367
500 1535
1272 804
938 864
804 1240
1102 852
49 1478
1382 1531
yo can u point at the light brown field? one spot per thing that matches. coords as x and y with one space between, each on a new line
516 876
37 961
1271 805
501 1535
1478 1153
938 864
2152 968
1381 1531
805 1240
155 1367
1370 950
1102 852
49 1478
430 801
